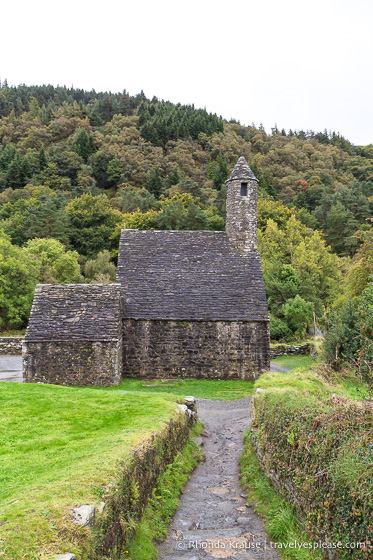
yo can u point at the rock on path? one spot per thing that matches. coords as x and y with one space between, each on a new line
213 520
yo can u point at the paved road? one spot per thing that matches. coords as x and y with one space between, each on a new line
213 519
11 368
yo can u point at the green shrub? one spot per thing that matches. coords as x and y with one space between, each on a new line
100 269
279 330
298 314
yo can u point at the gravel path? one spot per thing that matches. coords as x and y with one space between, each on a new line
213 520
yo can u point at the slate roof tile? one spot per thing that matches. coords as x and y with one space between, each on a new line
189 275
75 311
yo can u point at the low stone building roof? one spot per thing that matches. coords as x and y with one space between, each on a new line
75 312
189 275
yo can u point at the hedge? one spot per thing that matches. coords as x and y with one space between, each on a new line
317 447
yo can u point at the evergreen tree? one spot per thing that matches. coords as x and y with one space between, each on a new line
174 177
18 172
221 172
153 182
48 219
83 144
7 155
42 159
92 221
340 227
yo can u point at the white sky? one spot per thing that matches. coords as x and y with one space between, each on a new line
300 64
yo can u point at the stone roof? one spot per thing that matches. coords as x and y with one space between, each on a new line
241 171
189 275
75 312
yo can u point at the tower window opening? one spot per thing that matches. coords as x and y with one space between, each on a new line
243 189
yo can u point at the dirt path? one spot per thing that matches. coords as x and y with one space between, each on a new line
213 520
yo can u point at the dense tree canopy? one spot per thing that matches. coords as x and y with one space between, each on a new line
21 268
76 165
92 221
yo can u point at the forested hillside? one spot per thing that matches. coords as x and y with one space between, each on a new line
76 165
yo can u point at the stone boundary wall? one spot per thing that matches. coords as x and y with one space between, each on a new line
11 345
283 349
197 349
127 498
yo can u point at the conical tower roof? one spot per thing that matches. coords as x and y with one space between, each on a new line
241 171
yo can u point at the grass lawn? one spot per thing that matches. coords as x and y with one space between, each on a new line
304 380
294 361
346 382
58 447
224 389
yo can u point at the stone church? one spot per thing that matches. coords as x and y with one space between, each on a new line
185 304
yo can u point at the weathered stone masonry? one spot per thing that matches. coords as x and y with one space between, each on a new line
74 335
199 349
194 305
241 221
11 345
283 349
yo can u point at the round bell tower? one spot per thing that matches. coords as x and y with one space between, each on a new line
241 219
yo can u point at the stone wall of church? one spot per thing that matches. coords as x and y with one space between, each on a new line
199 349
74 335
76 362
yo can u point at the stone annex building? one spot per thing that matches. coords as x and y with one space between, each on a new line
185 304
